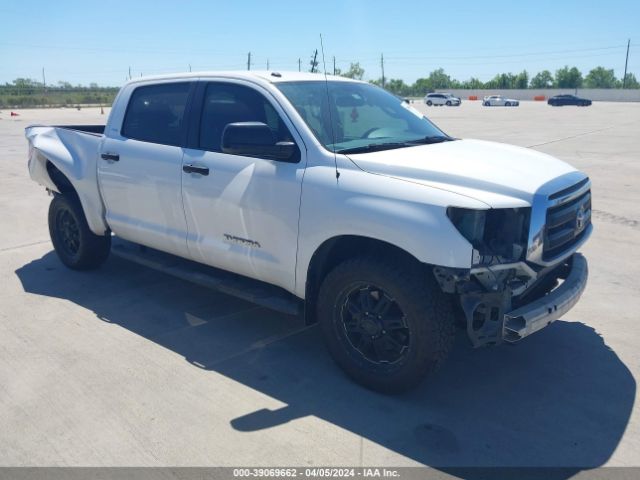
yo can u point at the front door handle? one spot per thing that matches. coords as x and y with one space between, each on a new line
114 157
190 168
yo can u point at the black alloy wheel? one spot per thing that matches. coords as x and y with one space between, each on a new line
374 325
68 233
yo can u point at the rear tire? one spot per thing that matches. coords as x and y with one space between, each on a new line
76 245
385 325
507 104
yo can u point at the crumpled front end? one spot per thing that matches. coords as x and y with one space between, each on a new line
525 272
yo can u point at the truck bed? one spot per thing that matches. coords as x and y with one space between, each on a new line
73 151
93 129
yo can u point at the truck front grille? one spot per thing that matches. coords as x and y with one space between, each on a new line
566 223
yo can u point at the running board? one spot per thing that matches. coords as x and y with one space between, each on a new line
254 291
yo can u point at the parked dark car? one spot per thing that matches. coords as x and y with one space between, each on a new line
560 100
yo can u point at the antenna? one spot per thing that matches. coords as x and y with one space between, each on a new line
333 135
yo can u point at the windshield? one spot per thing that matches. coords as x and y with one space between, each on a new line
357 116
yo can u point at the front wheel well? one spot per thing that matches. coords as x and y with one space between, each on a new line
336 250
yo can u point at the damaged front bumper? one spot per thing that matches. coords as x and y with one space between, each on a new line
510 302
530 318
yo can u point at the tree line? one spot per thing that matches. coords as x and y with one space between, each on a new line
566 77
25 92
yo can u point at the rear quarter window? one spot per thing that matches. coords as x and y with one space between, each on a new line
156 114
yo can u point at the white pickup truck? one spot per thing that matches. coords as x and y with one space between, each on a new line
326 197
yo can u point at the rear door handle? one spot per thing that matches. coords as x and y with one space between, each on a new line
114 157
190 168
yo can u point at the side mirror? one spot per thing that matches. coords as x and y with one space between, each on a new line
255 139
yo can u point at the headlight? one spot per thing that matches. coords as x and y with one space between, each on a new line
470 223
501 232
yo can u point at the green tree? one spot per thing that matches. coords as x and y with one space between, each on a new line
355 71
522 80
396 85
502 80
26 86
421 87
600 77
631 82
25 83
543 79
472 84
438 79
568 77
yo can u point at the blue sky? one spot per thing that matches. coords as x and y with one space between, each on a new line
97 41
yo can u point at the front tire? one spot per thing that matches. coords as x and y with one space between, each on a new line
76 245
385 325
486 104
429 103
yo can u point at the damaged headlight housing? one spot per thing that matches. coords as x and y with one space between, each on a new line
496 232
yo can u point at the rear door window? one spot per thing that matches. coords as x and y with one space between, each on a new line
156 114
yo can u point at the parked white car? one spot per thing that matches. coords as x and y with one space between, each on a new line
332 199
439 99
499 101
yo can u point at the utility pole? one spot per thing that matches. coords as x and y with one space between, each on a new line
314 63
624 79
267 64
382 66
189 67
299 65
334 64
129 73
44 84
249 61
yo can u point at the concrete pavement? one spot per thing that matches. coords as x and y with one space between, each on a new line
125 366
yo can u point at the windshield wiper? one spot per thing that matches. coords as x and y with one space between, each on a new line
431 139
374 147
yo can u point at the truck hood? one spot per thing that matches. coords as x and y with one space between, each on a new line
494 173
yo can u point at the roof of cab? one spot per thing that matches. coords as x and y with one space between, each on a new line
263 75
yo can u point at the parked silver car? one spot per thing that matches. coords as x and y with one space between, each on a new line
499 101
442 99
